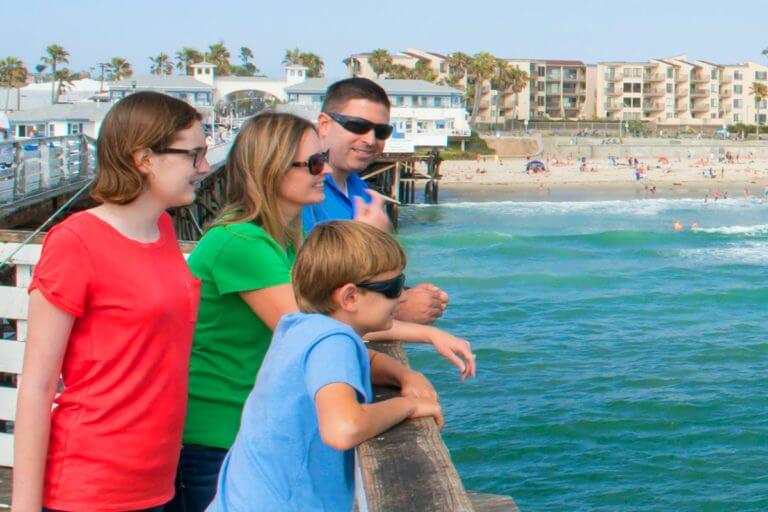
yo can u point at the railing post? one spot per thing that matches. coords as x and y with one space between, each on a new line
19 171
84 171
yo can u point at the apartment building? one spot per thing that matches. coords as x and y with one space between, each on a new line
678 92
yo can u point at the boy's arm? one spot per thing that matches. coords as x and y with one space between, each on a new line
456 350
345 423
387 371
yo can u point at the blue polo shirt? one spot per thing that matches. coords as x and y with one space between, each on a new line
337 205
279 462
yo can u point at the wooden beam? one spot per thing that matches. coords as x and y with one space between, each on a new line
408 467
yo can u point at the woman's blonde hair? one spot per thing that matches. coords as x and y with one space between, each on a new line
143 120
263 153
339 252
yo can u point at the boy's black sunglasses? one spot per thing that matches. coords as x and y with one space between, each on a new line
390 288
362 126
197 154
315 163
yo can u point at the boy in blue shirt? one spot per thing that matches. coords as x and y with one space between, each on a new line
311 405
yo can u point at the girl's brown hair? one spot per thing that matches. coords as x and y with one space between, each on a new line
143 120
263 152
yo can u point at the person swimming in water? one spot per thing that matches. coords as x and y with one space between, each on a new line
678 227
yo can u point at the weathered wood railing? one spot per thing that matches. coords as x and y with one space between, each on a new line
407 468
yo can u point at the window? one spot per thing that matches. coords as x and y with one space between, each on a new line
670 88
713 102
760 118
540 71
669 103
713 88
540 101
74 128
713 74
736 118
627 87
670 73
636 87
738 75
553 89
713 116
540 86
670 115
736 103
761 75
632 102
762 103
737 89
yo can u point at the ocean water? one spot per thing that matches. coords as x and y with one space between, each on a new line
621 365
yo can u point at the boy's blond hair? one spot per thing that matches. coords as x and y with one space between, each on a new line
340 252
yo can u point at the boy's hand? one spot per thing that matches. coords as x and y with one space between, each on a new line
416 385
456 350
373 213
425 407
422 304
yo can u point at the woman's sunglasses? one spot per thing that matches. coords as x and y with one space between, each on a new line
390 288
196 154
315 163
361 126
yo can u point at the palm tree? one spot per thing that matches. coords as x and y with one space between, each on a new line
314 64
760 92
56 55
246 54
186 57
458 63
248 68
161 65
13 74
422 71
380 61
65 79
119 68
480 69
292 57
398 71
508 79
765 52
219 55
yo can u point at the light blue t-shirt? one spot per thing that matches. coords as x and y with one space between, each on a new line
337 205
279 461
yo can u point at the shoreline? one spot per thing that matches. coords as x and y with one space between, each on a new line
679 179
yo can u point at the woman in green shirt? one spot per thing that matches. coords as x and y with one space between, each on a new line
275 167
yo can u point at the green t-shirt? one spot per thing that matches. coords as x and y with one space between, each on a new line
230 340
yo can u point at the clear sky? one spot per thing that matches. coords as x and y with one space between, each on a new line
725 31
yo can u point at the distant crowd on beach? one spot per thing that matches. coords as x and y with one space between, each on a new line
240 379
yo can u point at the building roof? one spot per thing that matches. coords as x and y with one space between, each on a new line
84 111
319 86
160 82
564 62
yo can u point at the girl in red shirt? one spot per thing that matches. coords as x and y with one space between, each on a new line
112 308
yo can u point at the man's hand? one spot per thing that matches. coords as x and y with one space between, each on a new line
416 385
422 304
456 350
372 213
424 407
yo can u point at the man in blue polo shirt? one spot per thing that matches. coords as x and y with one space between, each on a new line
354 127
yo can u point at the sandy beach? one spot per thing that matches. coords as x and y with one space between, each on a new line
678 177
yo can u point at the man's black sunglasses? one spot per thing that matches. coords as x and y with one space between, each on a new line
197 154
390 288
362 126
315 163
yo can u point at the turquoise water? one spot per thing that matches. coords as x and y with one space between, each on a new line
622 366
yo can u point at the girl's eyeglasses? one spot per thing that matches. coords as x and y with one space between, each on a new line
197 154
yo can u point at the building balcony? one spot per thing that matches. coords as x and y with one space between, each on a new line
726 107
681 78
613 107
613 94
700 80
681 108
653 77
613 78
700 108
726 79
653 93
726 94
653 107
699 93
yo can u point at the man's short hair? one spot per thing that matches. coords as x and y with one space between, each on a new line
339 93
339 252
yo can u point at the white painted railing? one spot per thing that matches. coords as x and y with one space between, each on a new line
13 308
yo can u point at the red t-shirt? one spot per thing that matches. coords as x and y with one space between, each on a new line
117 425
